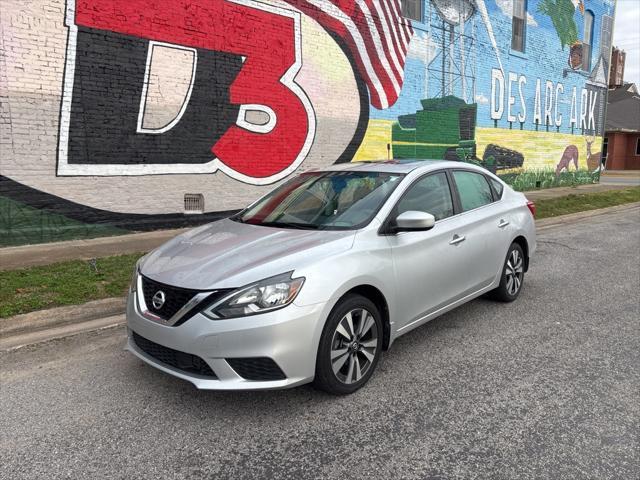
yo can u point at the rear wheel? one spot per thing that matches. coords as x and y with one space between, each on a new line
512 276
350 346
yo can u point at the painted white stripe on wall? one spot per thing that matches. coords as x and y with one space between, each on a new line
395 6
377 43
393 26
387 36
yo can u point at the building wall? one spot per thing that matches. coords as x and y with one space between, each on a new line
621 151
113 110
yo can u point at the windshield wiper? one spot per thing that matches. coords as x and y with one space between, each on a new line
299 226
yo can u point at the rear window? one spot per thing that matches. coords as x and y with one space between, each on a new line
497 186
473 188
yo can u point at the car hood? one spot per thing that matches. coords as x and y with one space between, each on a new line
228 254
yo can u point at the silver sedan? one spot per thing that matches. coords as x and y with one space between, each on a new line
316 279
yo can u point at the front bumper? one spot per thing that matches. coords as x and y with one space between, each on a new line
288 336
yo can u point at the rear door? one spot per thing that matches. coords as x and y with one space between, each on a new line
483 227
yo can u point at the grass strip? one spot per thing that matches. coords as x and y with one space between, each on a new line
552 207
79 281
65 283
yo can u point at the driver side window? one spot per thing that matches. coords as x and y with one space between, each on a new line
430 194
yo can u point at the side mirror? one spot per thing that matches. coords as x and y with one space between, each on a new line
414 220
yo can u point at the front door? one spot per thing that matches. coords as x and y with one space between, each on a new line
429 265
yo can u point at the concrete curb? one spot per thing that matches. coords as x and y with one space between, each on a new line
24 339
60 316
45 325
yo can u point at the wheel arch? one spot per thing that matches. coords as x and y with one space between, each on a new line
522 241
377 297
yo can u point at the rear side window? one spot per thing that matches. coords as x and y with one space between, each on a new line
473 188
497 187
430 194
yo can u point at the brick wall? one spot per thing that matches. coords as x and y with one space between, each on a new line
622 153
113 110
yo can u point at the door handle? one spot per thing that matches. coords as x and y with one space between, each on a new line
457 239
503 223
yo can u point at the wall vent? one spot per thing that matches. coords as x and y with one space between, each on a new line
193 203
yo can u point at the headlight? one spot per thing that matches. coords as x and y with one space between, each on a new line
134 276
264 296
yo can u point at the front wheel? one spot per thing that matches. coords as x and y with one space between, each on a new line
350 346
512 276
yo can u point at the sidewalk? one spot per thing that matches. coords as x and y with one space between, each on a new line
620 177
46 253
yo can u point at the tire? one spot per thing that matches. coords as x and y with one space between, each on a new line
512 277
354 357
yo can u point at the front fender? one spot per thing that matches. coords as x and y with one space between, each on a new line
368 263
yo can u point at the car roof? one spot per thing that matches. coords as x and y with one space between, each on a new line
403 166
388 166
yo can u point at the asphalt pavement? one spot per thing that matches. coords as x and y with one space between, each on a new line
547 387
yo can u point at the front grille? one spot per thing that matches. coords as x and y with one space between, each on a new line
174 358
257 368
175 298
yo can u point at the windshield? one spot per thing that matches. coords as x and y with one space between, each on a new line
323 200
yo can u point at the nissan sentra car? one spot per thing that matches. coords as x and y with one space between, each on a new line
312 282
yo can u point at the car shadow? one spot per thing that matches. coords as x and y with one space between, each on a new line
406 350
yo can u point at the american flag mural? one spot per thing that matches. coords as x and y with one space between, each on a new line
376 35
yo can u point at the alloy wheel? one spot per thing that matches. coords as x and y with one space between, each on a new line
514 272
354 346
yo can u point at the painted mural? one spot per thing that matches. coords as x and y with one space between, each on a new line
513 112
115 112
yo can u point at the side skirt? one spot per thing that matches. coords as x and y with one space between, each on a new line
440 311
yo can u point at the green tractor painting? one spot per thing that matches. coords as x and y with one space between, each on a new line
445 128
